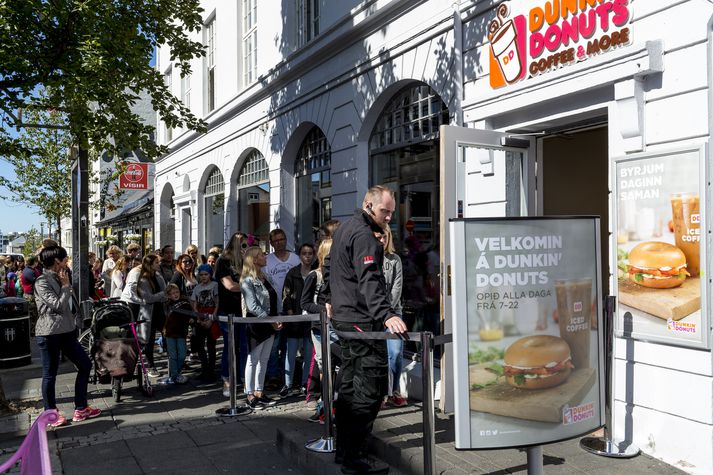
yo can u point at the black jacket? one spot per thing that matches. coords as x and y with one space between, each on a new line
353 272
291 296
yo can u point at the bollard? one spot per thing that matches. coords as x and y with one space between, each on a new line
607 446
429 434
325 444
232 410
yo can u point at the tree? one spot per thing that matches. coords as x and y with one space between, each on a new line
92 57
42 167
33 240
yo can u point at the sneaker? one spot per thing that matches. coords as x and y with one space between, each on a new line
253 403
180 379
315 417
154 373
284 391
364 465
397 401
61 421
88 412
265 400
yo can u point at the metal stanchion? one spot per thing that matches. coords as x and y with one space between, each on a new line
534 460
606 446
429 424
232 410
325 444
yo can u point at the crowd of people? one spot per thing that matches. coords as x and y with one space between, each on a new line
352 273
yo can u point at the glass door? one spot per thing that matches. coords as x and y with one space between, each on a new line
483 174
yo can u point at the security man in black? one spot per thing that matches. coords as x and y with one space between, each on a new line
358 302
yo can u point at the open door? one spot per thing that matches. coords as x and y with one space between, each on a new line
483 174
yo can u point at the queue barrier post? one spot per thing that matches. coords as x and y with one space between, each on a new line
326 443
607 446
232 410
429 433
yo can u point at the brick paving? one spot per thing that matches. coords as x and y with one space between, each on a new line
177 432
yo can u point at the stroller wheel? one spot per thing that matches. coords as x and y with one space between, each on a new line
116 389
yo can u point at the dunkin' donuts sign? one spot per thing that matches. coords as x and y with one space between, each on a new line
552 35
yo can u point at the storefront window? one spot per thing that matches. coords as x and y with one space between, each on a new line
214 209
403 153
314 185
254 196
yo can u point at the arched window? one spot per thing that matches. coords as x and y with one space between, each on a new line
214 209
403 155
254 196
314 185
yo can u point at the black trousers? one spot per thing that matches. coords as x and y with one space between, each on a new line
364 383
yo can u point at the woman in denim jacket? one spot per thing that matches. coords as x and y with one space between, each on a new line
259 300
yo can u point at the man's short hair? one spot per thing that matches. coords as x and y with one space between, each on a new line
165 248
133 247
375 193
275 232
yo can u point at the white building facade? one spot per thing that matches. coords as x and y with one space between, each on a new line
311 102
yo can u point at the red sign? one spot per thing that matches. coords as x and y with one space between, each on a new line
135 177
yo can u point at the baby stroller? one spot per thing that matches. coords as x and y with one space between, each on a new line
113 346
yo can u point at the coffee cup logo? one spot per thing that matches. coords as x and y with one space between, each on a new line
504 45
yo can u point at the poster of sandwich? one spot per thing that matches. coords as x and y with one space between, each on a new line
527 345
659 212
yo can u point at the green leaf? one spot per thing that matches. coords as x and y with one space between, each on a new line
519 379
639 277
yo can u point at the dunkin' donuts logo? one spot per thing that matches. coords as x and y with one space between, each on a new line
552 35
680 327
574 414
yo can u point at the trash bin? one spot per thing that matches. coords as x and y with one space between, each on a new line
14 333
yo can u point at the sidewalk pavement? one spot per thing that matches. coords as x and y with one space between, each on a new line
177 432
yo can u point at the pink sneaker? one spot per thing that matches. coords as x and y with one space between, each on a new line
397 401
88 412
61 421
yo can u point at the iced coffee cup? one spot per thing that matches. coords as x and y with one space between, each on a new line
504 44
574 306
686 211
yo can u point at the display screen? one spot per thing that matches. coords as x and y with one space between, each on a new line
659 252
526 324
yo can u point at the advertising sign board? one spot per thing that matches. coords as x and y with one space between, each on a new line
659 233
528 357
135 176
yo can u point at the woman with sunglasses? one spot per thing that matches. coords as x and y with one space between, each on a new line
184 276
227 274
193 251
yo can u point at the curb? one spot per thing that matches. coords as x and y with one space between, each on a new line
18 424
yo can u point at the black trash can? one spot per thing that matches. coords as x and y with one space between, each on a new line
14 333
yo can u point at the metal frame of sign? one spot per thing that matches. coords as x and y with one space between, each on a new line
463 416
629 329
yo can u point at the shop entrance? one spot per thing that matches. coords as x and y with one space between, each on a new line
573 180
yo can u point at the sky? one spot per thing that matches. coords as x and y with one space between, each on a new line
18 217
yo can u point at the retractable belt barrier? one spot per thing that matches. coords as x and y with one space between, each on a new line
326 443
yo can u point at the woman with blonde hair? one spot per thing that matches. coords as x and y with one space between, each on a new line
198 258
260 300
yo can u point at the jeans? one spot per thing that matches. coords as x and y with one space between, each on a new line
317 343
256 366
276 363
50 348
395 349
176 355
241 350
292 345
202 337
